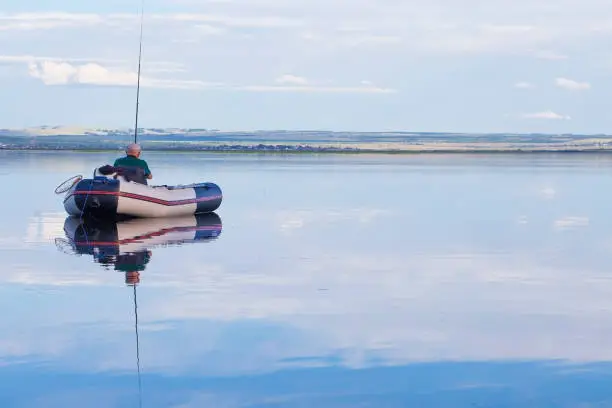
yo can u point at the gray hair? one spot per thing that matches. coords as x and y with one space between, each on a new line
133 148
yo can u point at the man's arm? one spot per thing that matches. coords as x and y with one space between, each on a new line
148 171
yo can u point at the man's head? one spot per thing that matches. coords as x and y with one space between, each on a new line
133 150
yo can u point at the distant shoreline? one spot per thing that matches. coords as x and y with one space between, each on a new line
356 151
307 142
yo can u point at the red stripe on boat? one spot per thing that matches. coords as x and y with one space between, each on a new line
143 197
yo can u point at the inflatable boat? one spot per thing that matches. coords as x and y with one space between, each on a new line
114 192
126 245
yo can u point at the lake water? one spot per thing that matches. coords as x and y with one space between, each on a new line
335 281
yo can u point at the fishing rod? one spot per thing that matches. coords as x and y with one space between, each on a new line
138 83
136 141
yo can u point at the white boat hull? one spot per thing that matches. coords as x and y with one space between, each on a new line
105 196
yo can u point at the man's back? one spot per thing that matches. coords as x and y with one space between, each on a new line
131 161
134 169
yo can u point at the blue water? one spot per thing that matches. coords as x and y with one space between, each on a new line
335 281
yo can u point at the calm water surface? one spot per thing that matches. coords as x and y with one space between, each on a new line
335 281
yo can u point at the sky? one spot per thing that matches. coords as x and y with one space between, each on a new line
345 65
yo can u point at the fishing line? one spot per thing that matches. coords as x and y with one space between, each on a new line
139 63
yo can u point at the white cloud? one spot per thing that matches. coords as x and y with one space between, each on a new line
293 83
51 20
46 21
313 89
572 85
32 60
548 192
64 73
546 115
523 85
292 79
423 28
571 222
550 55
206 29
369 39
236 21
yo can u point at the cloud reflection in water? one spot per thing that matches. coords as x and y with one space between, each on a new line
445 293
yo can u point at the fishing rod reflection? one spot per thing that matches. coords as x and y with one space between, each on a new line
125 245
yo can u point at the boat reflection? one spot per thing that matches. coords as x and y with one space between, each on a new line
126 245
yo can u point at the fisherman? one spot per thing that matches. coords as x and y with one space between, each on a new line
132 159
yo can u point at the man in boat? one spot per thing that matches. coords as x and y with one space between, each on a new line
132 160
